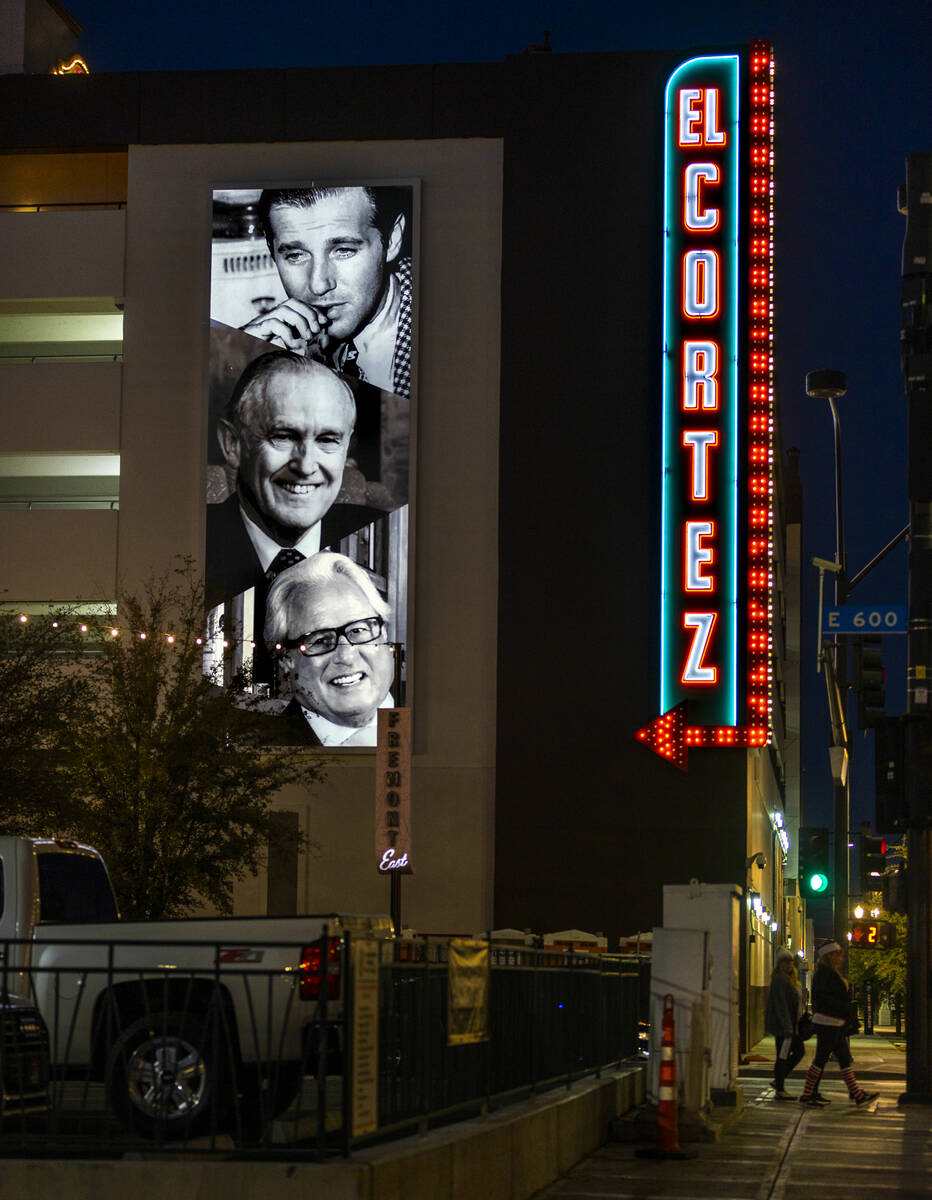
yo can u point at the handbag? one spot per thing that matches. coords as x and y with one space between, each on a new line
853 1024
805 1028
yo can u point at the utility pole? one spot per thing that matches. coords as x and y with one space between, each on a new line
831 385
915 201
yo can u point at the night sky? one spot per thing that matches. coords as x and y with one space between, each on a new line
854 98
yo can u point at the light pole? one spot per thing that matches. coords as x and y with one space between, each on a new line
916 360
831 385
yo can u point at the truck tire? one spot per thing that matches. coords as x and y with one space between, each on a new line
168 1078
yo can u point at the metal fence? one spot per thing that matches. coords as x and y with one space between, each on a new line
552 1017
98 1057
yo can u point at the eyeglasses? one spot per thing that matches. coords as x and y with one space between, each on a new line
322 641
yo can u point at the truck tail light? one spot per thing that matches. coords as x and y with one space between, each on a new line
311 970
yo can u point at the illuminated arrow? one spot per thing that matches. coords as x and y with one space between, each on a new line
671 737
665 735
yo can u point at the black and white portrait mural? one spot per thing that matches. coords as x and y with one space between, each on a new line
312 364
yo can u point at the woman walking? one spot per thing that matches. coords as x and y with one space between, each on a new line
784 1008
830 1016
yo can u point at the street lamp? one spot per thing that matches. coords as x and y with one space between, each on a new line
830 386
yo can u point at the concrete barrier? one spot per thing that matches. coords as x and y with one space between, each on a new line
508 1155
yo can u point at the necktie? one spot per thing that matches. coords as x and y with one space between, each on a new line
282 560
346 361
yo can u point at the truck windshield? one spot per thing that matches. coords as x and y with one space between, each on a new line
74 889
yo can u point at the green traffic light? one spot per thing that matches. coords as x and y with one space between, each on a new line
818 882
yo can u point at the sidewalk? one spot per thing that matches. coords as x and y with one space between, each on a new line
882 1056
782 1151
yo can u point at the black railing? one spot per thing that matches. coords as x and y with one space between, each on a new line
552 1017
102 1054
35 359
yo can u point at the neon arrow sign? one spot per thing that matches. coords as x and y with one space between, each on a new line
717 470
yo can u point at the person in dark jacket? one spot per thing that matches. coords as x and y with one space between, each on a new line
831 1013
784 1008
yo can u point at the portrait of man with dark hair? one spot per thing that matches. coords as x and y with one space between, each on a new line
339 255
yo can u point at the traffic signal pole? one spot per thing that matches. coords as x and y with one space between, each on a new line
916 338
830 385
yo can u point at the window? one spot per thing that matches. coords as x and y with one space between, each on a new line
74 888
40 481
77 329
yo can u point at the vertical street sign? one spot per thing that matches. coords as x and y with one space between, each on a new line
393 792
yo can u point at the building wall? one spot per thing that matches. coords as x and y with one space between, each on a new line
590 823
59 556
452 650
156 255
49 254
55 259
536 523
61 407
64 179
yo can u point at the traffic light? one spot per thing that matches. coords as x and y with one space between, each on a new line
869 679
894 890
892 811
872 935
872 862
814 876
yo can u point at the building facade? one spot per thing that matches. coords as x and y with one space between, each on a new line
536 500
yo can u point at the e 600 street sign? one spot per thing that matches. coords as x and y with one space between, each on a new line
854 618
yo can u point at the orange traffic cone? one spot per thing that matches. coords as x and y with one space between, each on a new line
667 1138
668 1145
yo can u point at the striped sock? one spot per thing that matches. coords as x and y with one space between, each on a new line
851 1083
813 1075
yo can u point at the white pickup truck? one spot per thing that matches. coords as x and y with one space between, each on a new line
191 1024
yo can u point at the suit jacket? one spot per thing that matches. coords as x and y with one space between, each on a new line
233 565
292 729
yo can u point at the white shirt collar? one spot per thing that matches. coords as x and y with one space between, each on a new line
267 548
331 734
375 344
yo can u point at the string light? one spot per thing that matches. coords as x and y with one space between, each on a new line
171 639
760 398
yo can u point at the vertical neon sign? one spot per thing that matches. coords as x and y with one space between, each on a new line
716 575
699 585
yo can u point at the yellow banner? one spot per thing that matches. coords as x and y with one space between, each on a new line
468 996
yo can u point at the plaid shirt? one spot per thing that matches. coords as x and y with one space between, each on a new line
401 361
345 356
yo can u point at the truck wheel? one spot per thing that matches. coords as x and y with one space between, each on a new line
166 1079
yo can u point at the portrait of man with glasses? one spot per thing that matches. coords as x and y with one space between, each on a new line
328 627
